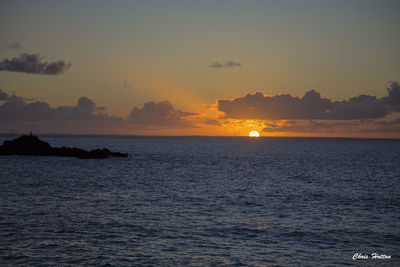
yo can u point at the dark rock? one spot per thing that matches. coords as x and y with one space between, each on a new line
32 145
26 145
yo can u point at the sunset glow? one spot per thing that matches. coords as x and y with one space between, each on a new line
199 133
165 68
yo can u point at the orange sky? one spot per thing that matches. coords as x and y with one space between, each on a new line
123 55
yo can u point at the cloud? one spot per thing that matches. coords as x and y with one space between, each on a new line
85 109
14 45
334 127
393 98
307 126
33 63
21 114
161 114
368 116
3 95
311 106
225 64
85 117
17 109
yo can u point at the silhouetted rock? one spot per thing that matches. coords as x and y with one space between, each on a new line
32 145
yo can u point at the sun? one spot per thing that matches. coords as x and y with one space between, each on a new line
254 134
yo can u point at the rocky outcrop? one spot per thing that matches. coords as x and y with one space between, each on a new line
32 145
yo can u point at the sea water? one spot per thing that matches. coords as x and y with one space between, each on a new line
197 201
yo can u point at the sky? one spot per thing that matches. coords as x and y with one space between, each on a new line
283 68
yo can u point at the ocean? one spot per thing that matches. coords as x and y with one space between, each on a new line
204 201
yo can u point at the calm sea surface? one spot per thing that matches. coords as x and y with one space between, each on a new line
203 202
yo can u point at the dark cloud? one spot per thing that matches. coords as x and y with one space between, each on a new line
311 106
33 63
14 45
159 114
3 95
13 98
225 64
85 109
21 114
17 109
85 117
393 98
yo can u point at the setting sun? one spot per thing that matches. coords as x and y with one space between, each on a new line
254 134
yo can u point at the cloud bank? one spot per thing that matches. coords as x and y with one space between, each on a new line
225 65
16 113
19 114
311 115
161 114
34 64
311 106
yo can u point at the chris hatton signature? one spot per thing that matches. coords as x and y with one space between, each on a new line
374 256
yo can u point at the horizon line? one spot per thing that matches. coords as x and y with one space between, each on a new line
60 135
